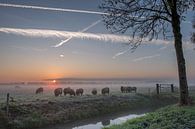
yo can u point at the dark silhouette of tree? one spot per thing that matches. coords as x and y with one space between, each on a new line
151 19
193 33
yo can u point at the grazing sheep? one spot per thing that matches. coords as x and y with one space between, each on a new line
66 91
79 91
39 90
105 91
128 89
94 91
134 89
69 91
123 89
72 92
58 91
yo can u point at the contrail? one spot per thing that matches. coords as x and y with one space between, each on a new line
52 9
43 33
162 48
85 29
30 48
63 41
90 26
55 9
145 57
187 22
121 53
62 10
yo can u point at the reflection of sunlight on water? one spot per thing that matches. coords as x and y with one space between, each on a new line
100 125
90 126
125 118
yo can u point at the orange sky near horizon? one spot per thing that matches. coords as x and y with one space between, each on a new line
76 66
52 72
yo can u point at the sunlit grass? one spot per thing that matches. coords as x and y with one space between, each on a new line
170 117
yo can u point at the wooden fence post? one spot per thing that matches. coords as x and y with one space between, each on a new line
157 88
7 105
172 88
149 91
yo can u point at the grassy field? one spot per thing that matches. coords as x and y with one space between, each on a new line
41 111
169 117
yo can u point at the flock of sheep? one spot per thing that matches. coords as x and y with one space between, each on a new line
128 89
80 91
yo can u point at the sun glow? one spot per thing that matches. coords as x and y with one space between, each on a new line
52 84
54 81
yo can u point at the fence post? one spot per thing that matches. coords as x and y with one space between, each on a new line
157 88
172 88
7 105
149 91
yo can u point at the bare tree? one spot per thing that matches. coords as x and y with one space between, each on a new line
149 19
193 34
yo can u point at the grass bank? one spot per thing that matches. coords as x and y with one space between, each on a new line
169 117
50 111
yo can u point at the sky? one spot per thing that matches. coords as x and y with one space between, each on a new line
67 39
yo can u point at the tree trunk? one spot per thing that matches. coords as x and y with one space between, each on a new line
180 57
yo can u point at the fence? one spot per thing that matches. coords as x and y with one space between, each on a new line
165 87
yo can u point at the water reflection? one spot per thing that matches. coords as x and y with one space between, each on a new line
104 123
90 126
120 120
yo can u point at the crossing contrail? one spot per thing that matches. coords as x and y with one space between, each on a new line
121 53
85 29
146 57
90 26
63 41
43 33
52 9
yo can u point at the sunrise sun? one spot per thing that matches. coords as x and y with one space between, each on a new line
54 81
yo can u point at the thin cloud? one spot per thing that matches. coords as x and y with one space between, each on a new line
43 33
146 57
188 45
85 29
63 41
187 22
162 48
90 26
75 52
30 48
63 10
120 53
52 9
